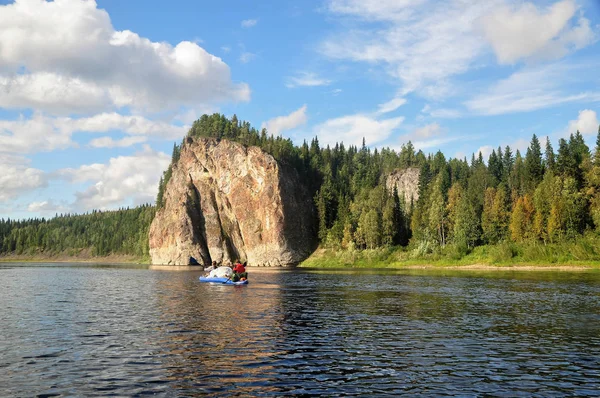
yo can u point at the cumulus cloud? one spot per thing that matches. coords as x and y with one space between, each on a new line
352 129
52 92
75 61
525 31
41 133
37 134
282 123
125 179
249 23
587 123
307 79
17 177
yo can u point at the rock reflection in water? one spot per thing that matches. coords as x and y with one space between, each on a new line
78 331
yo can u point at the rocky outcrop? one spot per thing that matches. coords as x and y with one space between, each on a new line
406 182
226 201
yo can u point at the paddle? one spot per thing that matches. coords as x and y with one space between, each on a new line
228 279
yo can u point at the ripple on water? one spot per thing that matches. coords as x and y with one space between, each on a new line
117 331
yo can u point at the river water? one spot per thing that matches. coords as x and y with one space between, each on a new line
85 330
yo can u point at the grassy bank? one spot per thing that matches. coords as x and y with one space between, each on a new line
73 255
584 252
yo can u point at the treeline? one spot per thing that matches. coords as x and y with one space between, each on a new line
103 233
543 196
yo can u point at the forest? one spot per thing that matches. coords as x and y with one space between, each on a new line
541 205
102 233
542 202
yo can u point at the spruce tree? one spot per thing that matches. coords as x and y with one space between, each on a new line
550 160
534 168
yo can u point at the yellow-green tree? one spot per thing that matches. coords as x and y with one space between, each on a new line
495 218
437 212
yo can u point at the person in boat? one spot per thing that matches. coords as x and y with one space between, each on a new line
239 271
212 267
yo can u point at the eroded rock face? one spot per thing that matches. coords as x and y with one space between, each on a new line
407 184
226 201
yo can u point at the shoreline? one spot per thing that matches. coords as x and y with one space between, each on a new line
129 260
114 259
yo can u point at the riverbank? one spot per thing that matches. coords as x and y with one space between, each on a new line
81 257
533 256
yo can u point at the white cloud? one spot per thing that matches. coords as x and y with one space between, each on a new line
125 179
443 113
307 79
436 143
47 207
534 88
108 142
249 23
70 50
428 131
587 123
246 57
17 177
41 133
282 123
391 105
485 151
428 136
421 44
375 10
54 93
353 128
37 134
135 125
425 44
526 31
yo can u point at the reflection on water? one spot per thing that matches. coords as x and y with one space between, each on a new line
92 330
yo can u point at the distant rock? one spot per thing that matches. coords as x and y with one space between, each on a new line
407 184
226 201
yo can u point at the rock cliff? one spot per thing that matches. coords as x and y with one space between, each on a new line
407 184
226 201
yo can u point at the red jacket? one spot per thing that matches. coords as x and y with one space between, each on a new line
239 268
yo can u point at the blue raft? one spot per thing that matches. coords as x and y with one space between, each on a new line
222 281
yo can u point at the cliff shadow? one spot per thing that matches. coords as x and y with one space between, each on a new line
301 232
198 223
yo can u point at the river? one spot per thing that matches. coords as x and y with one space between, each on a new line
92 329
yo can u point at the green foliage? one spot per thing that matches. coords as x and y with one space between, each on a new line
122 232
541 197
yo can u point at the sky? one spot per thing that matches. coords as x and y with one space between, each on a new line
94 94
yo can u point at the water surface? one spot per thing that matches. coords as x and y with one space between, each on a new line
88 330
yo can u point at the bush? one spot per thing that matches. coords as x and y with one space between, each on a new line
502 252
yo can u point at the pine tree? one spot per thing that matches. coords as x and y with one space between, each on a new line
550 160
534 168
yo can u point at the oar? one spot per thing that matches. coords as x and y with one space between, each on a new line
228 279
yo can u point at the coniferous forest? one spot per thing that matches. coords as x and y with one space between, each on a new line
100 233
541 205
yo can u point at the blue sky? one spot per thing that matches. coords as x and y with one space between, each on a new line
93 94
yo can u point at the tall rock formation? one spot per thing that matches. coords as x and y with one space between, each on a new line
406 182
226 201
